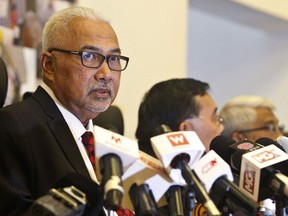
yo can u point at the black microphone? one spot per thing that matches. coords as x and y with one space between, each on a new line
263 169
114 153
265 141
74 195
283 141
143 200
111 119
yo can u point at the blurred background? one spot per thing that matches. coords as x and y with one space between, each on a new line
238 47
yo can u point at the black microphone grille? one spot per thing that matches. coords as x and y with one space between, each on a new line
220 144
265 141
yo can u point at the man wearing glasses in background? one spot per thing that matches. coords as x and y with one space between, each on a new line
41 137
250 117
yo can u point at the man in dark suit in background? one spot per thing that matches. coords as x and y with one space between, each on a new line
40 137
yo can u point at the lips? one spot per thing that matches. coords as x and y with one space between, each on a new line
102 92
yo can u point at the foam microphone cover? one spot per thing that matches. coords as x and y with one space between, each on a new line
220 144
111 119
283 141
265 141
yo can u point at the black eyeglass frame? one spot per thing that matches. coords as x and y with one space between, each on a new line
107 58
271 128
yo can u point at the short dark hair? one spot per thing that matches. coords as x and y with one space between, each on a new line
168 102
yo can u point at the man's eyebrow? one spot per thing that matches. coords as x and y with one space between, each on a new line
93 48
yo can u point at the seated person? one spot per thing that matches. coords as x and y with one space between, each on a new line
183 105
250 117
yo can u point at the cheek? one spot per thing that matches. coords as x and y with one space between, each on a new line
71 81
116 83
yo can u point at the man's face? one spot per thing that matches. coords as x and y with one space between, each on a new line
85 91
207 125
264 118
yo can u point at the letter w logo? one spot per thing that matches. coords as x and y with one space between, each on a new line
177 139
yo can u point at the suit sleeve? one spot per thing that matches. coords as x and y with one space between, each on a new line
15 169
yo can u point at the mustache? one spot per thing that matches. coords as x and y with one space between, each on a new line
102 86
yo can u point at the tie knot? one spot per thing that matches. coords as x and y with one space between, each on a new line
88 138
88 142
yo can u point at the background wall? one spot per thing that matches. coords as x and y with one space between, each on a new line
239 51
154 35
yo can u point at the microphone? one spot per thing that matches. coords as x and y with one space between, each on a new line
178 151
111 119
149 171
283 141
265 141
114 154
217 178
260 167
74 194
143 200
280 204
171 147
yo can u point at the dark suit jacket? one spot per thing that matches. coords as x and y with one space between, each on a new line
36 150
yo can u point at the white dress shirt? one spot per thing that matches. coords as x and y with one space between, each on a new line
77 129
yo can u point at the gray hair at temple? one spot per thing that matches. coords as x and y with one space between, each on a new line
56 29
239 112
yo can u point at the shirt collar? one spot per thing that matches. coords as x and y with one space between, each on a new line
75 125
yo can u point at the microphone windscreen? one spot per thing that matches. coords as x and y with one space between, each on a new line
265 141
111 119
283 141
220 144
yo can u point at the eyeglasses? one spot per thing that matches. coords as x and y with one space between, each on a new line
95 60
272 128
215 118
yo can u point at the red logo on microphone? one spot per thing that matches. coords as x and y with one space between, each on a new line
116 139
245 146
264 156
249 181
209 166
177 139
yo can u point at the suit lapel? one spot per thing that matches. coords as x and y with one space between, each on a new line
67 143
61 131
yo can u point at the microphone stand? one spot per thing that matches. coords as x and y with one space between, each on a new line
192 180
189 201
281 205
174 197
143 200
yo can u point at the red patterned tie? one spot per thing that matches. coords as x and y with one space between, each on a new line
124 212
88 141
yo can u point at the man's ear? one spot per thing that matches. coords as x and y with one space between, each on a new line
47 64
238 136
185 126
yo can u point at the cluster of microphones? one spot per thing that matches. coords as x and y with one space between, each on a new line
231 179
